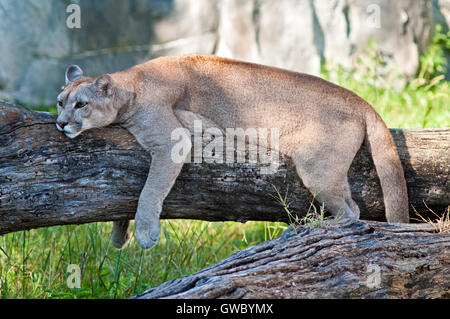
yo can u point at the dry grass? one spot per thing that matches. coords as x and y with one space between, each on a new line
313 218
441 224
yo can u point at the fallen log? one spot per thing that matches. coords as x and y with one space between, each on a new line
47 179
360 260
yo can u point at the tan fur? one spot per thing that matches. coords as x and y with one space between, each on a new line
321 125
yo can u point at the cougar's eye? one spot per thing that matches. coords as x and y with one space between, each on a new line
79 105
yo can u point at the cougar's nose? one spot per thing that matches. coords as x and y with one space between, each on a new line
62 124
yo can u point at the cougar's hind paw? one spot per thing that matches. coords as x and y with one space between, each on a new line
120 242
120 235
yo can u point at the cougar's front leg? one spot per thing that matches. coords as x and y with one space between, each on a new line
162 176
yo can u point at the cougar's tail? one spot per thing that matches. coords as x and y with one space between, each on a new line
388 167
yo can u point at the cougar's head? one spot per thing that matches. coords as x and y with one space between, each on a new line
85 102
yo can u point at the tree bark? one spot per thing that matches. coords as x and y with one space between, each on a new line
359 260
48 179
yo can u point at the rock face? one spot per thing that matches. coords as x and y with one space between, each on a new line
37 43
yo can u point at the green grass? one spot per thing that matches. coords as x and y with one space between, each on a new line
33 264
409 107
422 103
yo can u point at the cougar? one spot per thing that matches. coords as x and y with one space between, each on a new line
321 126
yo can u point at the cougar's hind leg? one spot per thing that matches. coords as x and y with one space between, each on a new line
327 181
334 200
120 234
350 202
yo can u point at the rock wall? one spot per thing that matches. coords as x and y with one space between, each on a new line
36 44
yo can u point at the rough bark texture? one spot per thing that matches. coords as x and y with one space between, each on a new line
47 179
361 260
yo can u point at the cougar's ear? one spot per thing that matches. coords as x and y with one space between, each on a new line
73 73
104 84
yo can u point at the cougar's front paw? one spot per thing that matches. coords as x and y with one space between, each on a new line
147 233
